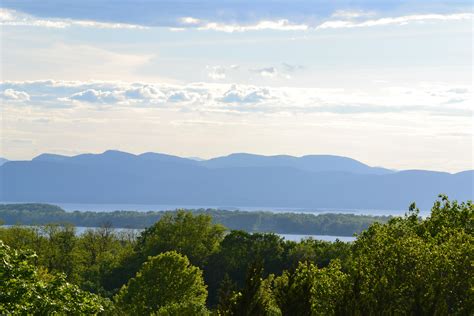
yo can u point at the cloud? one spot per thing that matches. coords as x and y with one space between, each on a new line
269 72
274 72
15 18
401 20
96 96
226 22
351 14
145 92
190 21
277 25
13 95
439 99
242 95
216 72
221 72
292 68
179 96
242 12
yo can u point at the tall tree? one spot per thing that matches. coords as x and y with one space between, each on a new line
165 282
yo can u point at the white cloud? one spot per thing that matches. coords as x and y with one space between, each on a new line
439 99
351 14
96 96
145 92
221 72
278 25
269 72
15 18
179 96
342 19
401 20
13 95
190 20
245 95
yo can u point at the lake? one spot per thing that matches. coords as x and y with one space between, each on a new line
292 237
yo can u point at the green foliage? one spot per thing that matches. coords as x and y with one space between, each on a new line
183 309
311 291
165 284
86 260
194 236
320 252
25 290
256 298
238 251
410 266
406 266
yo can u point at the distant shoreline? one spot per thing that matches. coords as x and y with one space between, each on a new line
331 224
112 207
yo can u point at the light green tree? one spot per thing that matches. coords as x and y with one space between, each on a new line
25 290
165 283
194 236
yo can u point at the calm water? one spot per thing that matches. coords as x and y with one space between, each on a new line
70 207
292 237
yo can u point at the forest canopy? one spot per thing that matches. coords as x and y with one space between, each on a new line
185 264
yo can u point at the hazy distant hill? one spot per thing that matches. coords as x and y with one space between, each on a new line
238 179
315 163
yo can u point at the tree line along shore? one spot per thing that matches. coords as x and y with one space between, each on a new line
256 221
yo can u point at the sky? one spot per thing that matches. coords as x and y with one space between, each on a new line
388 83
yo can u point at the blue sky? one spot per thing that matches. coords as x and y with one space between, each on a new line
385 82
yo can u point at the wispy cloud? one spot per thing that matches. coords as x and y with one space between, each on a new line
401 20
351 14
216 72
269 72
338 19
15 18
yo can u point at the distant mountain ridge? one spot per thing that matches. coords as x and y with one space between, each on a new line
314 163
316 181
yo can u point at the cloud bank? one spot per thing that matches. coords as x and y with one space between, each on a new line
441 99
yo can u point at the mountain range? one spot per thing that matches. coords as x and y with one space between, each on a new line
314 181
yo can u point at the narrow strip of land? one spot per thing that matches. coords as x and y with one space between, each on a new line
281 223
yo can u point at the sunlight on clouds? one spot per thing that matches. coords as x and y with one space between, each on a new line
433 99
278 25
